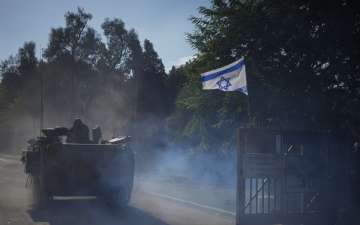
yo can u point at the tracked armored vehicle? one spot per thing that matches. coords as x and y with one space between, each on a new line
56 167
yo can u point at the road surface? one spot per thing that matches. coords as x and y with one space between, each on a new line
145 208
219 197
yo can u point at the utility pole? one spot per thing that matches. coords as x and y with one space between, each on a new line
72 116
41 96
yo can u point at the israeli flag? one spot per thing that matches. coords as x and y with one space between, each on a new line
228 78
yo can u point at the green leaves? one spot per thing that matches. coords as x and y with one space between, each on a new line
300 58
116 53
207 119
114 83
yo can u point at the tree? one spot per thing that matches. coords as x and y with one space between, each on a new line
10 79
174 81
27 60
135 63
136 58
17 72
301 75
85 77
67 41
116 55
206 120
151 83
72 55
301 56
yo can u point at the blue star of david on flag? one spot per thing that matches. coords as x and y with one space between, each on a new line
224 83
228 78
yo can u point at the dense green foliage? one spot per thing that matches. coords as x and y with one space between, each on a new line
303 71
302 62
116 82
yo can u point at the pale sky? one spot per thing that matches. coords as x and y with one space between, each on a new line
163 22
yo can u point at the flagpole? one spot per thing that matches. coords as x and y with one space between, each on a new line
249 111
248 84
233 76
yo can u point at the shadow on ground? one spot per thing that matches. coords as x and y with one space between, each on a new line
90 212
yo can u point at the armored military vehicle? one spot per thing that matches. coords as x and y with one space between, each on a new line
79 166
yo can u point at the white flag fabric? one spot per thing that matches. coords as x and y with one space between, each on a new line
228 78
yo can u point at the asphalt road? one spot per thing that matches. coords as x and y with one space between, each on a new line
16 207
221 198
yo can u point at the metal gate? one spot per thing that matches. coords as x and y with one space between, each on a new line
289 178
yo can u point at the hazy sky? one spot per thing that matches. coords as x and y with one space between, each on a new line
164 22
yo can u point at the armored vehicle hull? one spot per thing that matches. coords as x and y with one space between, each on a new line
70 169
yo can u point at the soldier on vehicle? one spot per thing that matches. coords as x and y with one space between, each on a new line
96 134
79 133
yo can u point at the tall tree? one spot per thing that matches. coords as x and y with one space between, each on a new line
151 83
67 41
175 80
135 63
17 72
301 56
11 82
73 52
301 61
27 60
116 55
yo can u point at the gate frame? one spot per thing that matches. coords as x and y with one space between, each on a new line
328 213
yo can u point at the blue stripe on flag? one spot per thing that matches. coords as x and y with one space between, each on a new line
238 66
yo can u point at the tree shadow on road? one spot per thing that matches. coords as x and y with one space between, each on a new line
90 212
